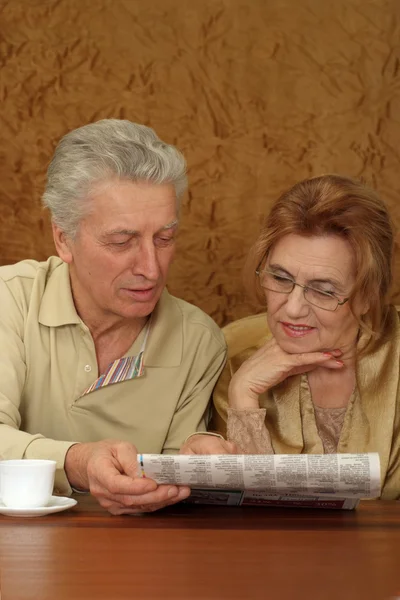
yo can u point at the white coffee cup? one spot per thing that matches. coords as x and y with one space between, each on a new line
26 483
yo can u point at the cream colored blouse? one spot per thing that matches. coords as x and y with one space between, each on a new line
246 428
288 423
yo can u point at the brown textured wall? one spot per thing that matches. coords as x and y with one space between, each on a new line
257 94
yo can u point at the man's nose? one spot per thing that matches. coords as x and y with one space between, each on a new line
146 262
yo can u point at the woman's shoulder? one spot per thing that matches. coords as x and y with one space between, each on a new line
245 336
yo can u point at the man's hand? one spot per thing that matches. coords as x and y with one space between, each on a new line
208 444
109 470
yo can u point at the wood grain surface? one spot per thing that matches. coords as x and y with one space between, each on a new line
203 553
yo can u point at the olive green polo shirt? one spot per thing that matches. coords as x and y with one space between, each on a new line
48 359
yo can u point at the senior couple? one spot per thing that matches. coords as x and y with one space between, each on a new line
98 361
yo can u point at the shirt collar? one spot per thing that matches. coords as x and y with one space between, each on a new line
57 307
165 344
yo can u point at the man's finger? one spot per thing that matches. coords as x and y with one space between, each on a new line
186 449
154 507
114 482
232 447
205 444
145 504
127 457
164 493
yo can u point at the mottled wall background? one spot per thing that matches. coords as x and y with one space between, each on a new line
257 94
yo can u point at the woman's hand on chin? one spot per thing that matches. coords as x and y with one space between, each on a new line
269 366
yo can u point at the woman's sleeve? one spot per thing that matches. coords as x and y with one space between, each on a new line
247 429
244 427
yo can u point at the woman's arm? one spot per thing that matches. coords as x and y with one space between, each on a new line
245 428
237 411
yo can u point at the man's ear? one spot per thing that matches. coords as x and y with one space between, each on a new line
62 243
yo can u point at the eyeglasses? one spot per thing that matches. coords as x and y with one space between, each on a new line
280 284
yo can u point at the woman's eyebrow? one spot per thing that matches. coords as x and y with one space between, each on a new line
334 282
276 267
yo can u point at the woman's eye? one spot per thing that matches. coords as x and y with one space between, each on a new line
282 279
324 293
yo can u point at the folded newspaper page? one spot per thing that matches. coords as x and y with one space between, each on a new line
301 480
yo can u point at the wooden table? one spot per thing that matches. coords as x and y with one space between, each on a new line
207 553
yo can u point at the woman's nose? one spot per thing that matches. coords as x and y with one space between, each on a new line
296 304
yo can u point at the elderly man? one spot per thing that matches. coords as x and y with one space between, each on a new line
96 358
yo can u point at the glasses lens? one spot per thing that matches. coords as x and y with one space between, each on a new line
321 299
275 283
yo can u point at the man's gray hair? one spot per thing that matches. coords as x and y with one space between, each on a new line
103 151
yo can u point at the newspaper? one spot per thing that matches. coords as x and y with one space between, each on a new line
301 480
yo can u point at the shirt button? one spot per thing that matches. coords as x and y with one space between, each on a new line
88 368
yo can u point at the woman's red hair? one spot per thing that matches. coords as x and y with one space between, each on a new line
341 206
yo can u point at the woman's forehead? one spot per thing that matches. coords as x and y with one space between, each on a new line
314 255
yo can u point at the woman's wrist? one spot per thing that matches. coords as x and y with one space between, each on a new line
240 400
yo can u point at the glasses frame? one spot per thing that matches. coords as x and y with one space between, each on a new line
305 289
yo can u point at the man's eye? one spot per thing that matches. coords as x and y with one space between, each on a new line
120 244
164 241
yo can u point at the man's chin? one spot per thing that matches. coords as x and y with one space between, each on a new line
139 310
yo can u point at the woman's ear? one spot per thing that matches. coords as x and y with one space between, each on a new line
363 306
62 244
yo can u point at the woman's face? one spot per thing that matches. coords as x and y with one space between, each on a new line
325 263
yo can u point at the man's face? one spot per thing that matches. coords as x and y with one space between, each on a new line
120 257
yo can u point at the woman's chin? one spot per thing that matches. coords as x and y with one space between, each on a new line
297 346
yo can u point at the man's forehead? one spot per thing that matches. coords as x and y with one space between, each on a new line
132 197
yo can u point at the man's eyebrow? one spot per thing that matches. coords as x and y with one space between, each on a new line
120 232
170 225
334 282
133 232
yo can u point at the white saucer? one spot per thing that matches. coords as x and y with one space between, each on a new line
56 504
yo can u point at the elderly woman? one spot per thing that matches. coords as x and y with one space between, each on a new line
324 377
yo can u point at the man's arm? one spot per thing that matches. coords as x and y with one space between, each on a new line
107 468
193 410
13 442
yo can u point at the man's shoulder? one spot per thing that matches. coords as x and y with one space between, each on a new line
29 269
195 319
20 281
